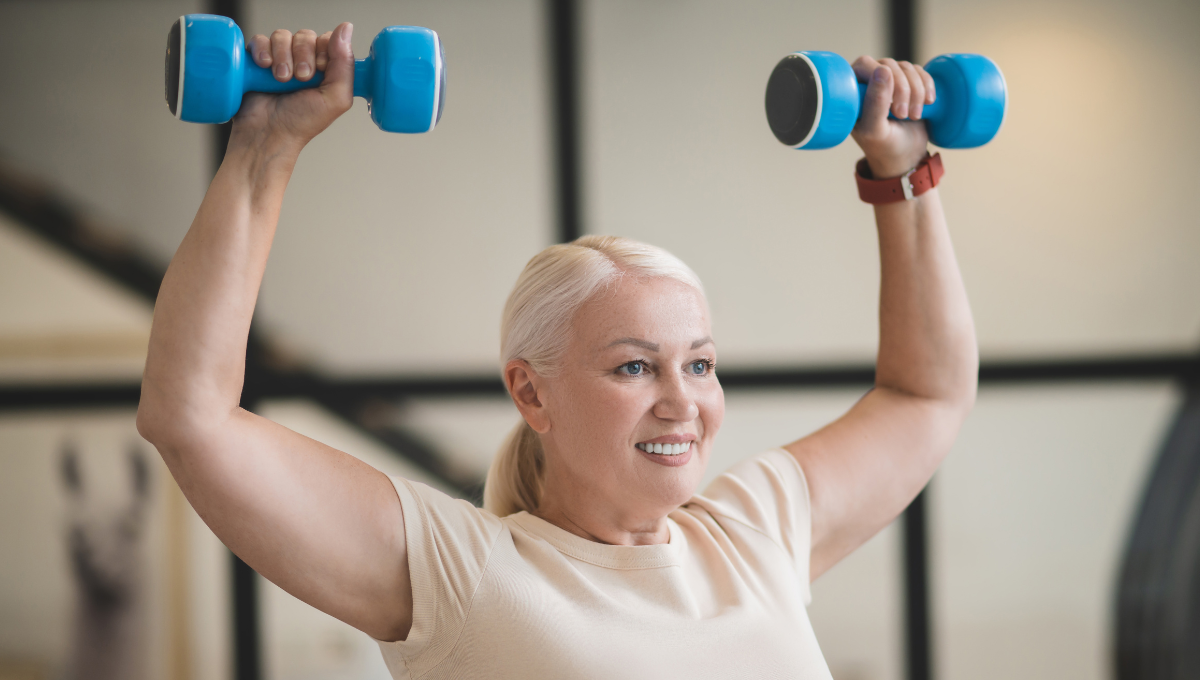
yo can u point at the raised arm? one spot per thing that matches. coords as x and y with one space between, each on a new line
866 467
318 522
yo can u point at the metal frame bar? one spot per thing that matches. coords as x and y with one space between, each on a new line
342 394
562 41
918 627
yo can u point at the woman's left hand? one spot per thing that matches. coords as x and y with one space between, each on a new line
892 147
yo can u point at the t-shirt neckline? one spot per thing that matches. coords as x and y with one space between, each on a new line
601 554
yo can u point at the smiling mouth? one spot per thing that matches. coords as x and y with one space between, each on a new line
665 449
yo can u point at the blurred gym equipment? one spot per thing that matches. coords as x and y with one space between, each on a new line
208 70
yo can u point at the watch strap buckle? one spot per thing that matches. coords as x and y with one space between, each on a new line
906 184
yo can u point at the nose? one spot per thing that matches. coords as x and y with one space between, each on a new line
675 401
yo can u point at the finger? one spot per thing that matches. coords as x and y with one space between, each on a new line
339 73
877 101
281 54
323 50
260 50
900 90
304 54
916 90
930 95
863 67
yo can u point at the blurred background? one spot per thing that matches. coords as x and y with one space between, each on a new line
1061 539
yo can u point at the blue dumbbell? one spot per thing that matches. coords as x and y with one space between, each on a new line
208 70
814 100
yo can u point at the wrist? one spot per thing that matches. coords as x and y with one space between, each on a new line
259 157
888 166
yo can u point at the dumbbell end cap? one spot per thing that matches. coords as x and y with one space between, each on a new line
793 100
975 100
171 75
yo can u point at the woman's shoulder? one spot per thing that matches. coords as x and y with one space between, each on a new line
766 494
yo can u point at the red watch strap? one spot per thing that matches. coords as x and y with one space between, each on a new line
920 179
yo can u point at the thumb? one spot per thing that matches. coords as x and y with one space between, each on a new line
878 99
339 74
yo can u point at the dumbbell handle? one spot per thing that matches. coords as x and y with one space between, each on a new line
930 112
260 79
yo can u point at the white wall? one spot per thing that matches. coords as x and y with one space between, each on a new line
395 252
60 322
1076 227
84 107
678 153
1030 516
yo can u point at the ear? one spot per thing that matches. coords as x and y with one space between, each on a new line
526 386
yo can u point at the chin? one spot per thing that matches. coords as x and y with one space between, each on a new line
679 485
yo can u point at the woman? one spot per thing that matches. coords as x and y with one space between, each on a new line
594 557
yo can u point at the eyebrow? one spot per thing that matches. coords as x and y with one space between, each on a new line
649 346
653 346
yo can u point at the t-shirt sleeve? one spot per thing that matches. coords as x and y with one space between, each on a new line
768 493
449 542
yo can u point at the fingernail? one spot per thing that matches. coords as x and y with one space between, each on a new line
282 71
265 57
902 111
879 76
303 70
349 31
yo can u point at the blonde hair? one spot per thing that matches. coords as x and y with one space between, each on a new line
535 327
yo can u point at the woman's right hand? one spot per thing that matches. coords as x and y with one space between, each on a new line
296 117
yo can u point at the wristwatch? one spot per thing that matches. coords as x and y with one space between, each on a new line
906 187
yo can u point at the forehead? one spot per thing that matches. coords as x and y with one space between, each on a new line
653 309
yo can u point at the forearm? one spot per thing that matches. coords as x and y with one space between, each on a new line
196 361
927 342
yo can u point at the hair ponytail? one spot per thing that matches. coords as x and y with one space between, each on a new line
514 481
535 327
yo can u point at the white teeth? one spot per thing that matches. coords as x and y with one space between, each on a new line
665 449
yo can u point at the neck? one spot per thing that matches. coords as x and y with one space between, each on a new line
608 528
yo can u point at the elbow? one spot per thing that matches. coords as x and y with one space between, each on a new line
165 420
962 391
153 424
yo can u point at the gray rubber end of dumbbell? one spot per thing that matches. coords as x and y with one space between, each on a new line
793 93
174 66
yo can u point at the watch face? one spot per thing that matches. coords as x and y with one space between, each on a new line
792 97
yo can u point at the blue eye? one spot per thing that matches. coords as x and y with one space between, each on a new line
632 368
699 367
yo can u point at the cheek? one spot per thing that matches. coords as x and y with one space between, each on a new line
712 411
602 412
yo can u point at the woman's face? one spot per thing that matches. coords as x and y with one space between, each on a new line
637 375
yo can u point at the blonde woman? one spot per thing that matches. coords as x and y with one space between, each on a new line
596 555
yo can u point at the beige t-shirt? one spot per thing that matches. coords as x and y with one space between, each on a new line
517 597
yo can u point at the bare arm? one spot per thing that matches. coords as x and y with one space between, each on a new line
318 522
866 467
